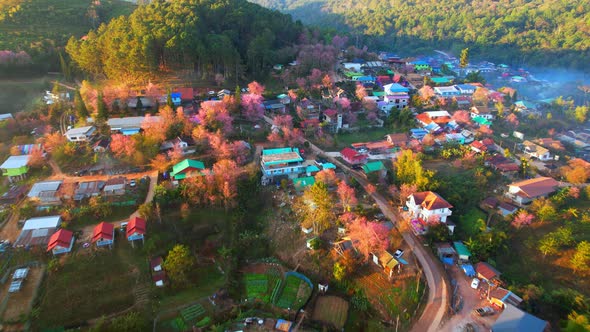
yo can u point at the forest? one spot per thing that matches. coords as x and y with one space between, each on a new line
229 37
519 33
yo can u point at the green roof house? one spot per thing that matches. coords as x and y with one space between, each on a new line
462 251
374 166
15 167
187 168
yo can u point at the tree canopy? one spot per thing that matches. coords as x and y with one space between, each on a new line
210 36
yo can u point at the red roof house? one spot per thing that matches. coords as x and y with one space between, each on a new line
103 234
186 93
135 229
486 272
61 242
352 156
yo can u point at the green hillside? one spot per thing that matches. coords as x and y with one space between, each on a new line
39 26
519 31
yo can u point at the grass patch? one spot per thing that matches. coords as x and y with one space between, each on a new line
471 223
294 293
208 280
374 134
88 287
18 95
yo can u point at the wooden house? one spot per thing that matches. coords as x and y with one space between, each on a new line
135 230
104 234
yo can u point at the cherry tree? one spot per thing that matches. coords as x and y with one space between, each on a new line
369 237
36 158
343 102
253 107
360 92
255 88
301 83
214 116
160 163
327 82
405 191
522 218
462 117
122 146
370 188
512 119
315 78
426 92
283 121
485 130
347 196
153 130
54 140
327 176
339 42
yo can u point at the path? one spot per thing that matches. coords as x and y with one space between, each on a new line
10 231
438 286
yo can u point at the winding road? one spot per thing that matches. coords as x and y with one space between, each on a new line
438 300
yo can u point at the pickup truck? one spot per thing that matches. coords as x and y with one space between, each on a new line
485 311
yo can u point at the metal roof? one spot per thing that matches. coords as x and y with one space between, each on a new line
44 186
15 162
42 222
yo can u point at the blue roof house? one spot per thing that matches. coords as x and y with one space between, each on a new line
281 161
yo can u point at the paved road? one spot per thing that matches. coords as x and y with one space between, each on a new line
438 285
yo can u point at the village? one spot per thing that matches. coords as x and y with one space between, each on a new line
349 202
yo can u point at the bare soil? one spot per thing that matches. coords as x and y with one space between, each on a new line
19 303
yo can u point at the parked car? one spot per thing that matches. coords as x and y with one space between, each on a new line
132 183
485 311
475 283
398 253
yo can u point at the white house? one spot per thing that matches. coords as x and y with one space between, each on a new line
447 91
482 112
536 151
80 134
466 89
352 66
428 205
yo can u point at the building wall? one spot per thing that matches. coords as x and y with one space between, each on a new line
15 171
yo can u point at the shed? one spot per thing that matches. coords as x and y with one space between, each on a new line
486 272
445 252
468 269
115 186
462 251
104 234
187 168
15 167
374 166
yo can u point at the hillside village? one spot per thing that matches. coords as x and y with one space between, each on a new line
345 194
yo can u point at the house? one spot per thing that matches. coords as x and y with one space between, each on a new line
352 66
375 167
131 125
15 167
135 230
487 272
61 242
506 209
311 170
6 116
445 252
104 234
428 205
513 319
14 194
345 244
550 143
502 297
478 147
332 120
158 273
88 189
45 192
386 261
80 134
186 169
302 183
418 133
281 162
399 140
490 203
173 143
102 145
525 107
462 251
38 231
481 112
142 101
466 89
447 91
187 94
524 192
502 164
274 105
114 186
353 157
535 151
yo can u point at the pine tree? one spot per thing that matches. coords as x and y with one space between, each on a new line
102 111
464 59
169 100
139 105
80 107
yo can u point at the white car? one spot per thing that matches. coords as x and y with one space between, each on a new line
398 253
475 283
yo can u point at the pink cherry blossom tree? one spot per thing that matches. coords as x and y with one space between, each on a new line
522 218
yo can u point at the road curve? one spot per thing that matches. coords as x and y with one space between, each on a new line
438 285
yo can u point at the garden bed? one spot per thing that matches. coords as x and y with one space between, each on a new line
331 310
